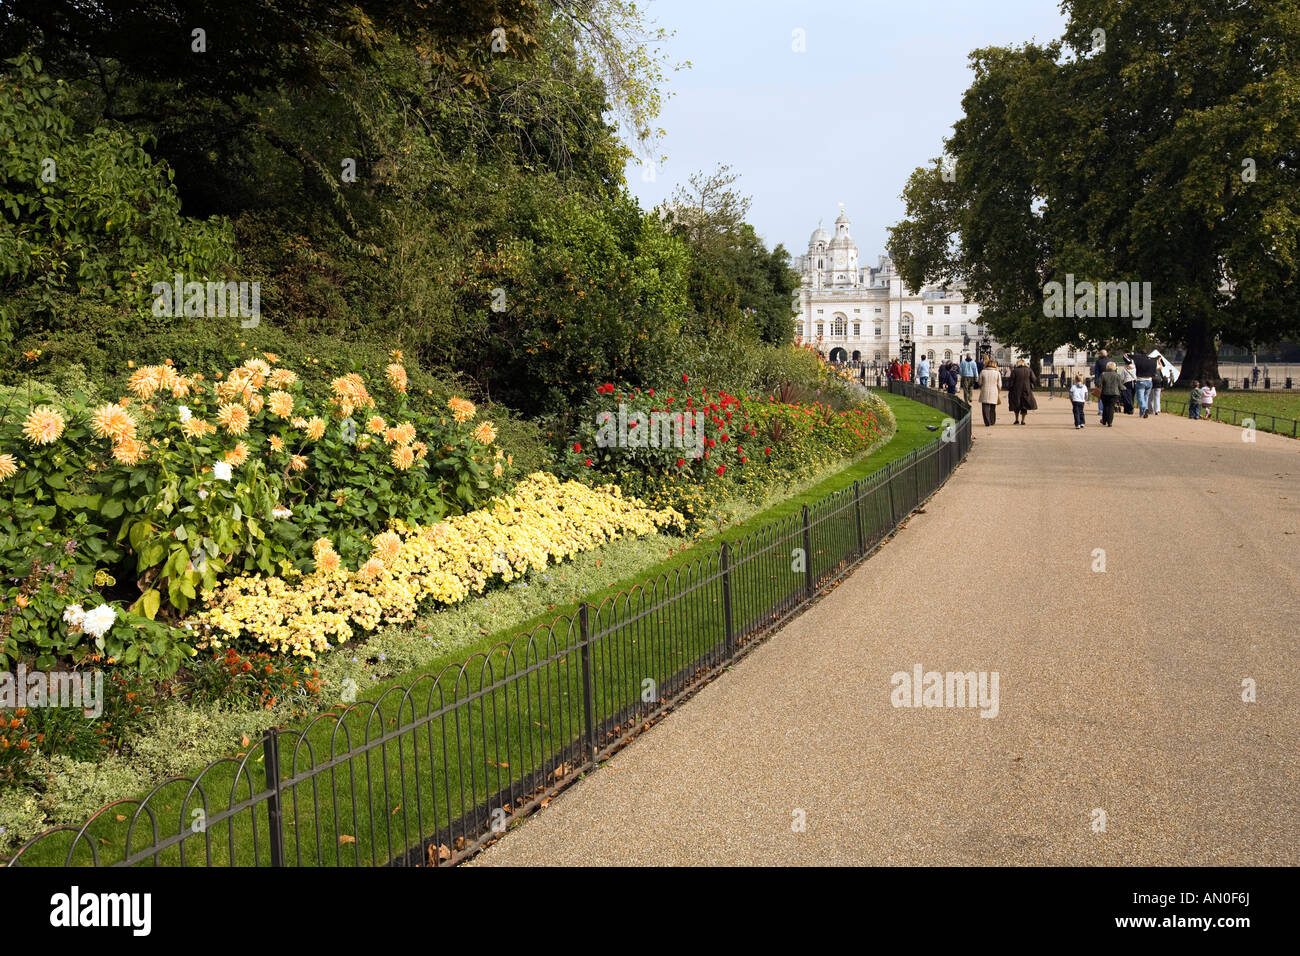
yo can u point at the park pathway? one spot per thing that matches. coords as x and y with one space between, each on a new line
1118 691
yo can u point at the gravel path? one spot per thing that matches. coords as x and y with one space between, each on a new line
1118 691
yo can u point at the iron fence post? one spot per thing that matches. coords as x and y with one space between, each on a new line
857 511
274 809
916 475
588 688
728 622
807 554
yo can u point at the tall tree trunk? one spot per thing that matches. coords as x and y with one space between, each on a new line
1201 363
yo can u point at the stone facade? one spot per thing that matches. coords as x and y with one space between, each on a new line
852 312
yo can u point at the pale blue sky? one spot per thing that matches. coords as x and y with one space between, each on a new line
871 98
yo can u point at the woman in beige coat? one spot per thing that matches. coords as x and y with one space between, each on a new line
990 388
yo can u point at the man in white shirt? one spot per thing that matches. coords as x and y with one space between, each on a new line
923 371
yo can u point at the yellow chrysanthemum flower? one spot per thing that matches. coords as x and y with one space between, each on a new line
233 418
297 463
280 403
113 422
277 443
196 428
403 457
43 425
237 455
404 433
8 466
485 433
129 451
316 428
462 409
396 376
376 425
387 546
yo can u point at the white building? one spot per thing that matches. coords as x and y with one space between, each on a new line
851 312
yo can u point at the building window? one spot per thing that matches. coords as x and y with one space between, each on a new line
947 309
929 310
857 330
857 310
946 328
878 331
798 329
930 355
819 311
929 330
963 328
877 308
877 356
1069 353
963 310
819 330
839 326
947 355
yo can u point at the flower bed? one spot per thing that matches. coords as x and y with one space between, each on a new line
120 514
542 521
691 449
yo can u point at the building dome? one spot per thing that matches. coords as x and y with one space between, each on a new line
820 235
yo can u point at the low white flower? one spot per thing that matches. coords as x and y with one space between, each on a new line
184 413
74 615
280 511
221 470
203 493
97 622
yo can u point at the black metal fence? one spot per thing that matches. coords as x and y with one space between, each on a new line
1263 421
428 773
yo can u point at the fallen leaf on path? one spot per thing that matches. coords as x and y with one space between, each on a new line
344 838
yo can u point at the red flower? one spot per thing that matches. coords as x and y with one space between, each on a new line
588 462
577 446
767 450
722 469
743 459
684 378
652 392
681 462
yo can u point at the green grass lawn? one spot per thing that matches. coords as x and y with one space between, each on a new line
1272 411
460 747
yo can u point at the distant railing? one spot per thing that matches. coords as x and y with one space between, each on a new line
1276 423
427 774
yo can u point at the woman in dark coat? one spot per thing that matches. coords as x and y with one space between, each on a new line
1020 397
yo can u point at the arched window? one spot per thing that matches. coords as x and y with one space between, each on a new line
947 355
930 355
877 356
839 325
905 325
1069 353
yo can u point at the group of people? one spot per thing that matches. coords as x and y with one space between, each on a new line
1201 400
1020 392
1136 386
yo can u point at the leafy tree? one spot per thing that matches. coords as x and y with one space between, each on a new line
85 212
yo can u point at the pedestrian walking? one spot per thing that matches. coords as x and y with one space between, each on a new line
1098 369
923 372
1020 398
969 374
1078 396
1194 402
1159 383
1144 367
1111 387
990 392
1254 375
1208 394
1128 381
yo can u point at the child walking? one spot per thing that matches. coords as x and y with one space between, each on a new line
1194 402
1208 394
1078 396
